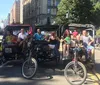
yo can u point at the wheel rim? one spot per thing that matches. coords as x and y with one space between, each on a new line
75 78
29 68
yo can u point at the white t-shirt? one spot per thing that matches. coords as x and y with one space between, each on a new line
86 39
22 36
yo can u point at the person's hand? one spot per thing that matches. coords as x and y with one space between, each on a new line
48 40
89 44
52 38
62 40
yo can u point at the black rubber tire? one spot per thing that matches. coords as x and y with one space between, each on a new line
33 60
82 66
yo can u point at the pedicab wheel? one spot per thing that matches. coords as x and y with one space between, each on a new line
75 77
29 68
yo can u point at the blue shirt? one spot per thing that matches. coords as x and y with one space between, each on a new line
38 36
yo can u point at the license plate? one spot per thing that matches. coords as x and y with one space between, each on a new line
8 50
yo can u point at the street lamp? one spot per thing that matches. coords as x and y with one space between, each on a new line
53 22
67 14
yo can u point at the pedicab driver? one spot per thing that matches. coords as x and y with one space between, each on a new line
38 35
87 43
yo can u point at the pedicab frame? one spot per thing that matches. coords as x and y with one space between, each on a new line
15 27
57 29
60 29
90 28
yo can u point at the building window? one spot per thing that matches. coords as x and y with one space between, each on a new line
57 2
49 3
49 10
54 2
53 11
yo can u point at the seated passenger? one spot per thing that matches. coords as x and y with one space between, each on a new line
22 35
38 35
54 40
75 37
54 43
8 38
66 44
75 33
87 43
14 39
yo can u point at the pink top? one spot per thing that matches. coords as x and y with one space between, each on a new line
75 34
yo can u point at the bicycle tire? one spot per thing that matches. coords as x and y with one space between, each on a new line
82 66
34 72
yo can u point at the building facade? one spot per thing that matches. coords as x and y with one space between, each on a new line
8 18
37 11
26 11
15 12
21 11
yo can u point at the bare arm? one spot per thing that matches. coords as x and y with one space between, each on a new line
52 38
91 40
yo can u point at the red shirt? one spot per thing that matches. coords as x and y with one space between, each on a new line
14 40
75 34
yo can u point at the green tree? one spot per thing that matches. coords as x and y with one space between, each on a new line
96 14
83 11
80 11
98 32
63 8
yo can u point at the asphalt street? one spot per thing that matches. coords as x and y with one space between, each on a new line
11 75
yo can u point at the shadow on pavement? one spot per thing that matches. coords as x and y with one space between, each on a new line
11 74
95 75
96 72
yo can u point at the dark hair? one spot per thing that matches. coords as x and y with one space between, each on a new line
53 33
66 33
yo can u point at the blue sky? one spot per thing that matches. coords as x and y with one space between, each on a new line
5 7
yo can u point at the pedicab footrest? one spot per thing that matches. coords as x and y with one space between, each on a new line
9 48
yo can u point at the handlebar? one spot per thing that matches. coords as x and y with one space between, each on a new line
40 42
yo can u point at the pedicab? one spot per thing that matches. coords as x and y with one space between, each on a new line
10 51
76 71
40 52
72 69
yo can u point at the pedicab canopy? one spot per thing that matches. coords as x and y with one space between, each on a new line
61 29
47 27
17 27
89 27
83 26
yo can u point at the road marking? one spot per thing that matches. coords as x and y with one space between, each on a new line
95 77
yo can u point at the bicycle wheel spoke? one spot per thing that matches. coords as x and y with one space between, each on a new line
29 68
75 74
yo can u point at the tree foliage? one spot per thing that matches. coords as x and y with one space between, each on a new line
83 9
63 8
80 11
98 32
96 14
